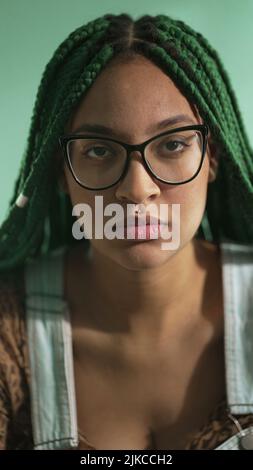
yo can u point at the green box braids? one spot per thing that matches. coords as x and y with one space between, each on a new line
39 216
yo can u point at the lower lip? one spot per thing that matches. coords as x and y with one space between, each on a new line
144 232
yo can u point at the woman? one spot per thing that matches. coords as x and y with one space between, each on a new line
111 343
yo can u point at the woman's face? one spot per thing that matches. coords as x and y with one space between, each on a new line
132 98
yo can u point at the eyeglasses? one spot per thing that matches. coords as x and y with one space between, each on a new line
173 157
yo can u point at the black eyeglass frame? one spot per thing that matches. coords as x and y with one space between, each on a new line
64 139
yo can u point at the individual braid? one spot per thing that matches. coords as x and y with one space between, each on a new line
235 172
40 215
53 72
217 85
35 186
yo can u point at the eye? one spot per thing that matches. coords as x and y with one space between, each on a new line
175 145
97 152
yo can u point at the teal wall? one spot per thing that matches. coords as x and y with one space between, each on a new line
31 30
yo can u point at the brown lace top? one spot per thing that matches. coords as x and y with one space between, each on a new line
15 415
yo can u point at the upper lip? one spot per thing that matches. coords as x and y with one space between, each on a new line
140 221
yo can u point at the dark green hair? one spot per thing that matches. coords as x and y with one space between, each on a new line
39 216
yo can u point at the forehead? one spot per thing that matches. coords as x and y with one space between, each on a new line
130 94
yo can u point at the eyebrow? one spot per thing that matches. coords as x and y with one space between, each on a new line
101 129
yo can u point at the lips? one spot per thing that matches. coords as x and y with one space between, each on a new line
146 232
141 221
135 222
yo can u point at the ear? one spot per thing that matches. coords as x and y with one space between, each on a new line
213 153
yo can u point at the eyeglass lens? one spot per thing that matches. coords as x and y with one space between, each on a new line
173 157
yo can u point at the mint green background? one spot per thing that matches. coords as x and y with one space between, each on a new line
31 30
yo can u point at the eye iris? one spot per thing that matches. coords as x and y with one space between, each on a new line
99 151
173 145
96 152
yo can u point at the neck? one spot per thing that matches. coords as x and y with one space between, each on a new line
152 300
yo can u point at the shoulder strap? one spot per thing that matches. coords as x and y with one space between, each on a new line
50 351
238 306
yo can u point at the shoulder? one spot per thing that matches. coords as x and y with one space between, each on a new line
12 313
233 253
237 251
15 424
237 260
14 368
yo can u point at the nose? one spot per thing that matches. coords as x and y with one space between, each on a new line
138 184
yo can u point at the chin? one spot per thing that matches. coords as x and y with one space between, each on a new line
137 255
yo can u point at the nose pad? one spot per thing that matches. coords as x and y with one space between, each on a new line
137 184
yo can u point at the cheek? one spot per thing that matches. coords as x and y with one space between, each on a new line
192 199
79 195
